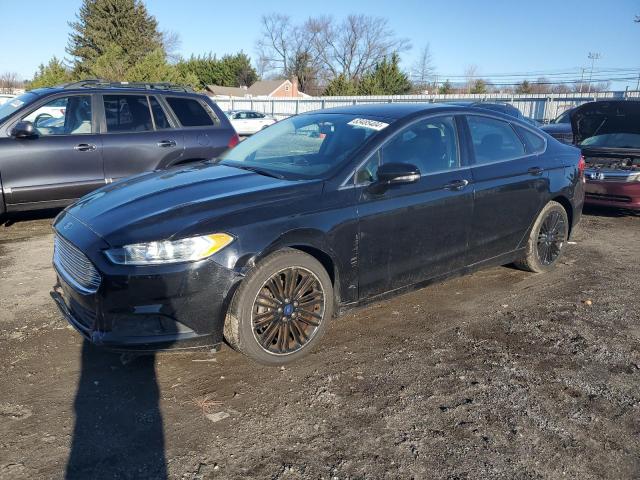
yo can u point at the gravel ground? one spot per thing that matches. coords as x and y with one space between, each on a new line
501 374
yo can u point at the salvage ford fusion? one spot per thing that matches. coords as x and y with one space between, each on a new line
320 212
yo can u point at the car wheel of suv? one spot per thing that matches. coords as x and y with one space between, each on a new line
546 240
281 309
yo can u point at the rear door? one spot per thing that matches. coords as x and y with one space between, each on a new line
204 135
138 135
509 187
63 162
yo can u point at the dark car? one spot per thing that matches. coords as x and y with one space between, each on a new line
503 108
58 144
317 213
560 127
608 132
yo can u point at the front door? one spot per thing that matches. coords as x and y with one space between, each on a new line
59 164
413 232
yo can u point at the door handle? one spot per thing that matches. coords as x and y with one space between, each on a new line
456 185
85 147
535 171
167 143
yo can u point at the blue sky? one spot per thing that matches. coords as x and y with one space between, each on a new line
498 36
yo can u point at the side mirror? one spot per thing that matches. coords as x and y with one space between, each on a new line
24 129
394 174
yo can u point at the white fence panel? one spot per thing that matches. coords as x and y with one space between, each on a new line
542 107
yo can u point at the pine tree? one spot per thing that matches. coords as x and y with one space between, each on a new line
340 86
103 26
445 88
385 79
53 73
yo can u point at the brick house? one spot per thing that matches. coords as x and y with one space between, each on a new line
261 89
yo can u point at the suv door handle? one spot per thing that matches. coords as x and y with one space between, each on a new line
167 143
456 185
85 147
535 171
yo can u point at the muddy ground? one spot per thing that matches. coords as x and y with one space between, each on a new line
501 374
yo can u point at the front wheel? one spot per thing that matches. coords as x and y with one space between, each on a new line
547 239
281 309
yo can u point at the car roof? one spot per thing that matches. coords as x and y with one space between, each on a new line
390 110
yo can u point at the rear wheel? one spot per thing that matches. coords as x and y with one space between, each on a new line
547 239
281 309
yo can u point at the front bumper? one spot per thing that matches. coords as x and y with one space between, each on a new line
613 194
159 307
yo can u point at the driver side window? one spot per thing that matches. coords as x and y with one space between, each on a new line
430 144
63 116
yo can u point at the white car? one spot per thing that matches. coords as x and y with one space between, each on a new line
5 97
248 122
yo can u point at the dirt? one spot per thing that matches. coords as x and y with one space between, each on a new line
500 374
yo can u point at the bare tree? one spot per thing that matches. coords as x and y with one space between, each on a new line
470 75
322 48
355 45
273 45
10 82
423 69
171 43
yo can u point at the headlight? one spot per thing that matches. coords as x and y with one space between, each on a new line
170 251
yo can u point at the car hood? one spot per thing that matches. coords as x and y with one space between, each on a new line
599 118
173 203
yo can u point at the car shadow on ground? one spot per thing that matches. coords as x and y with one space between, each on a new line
118 429
609 212
9 219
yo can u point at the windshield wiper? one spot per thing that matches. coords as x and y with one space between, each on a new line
259 171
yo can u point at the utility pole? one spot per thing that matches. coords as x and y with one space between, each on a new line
582 79
638 84
593 57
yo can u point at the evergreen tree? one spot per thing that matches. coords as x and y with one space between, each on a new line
53 73
385 79
101 24
479 86
340 86
229 71
445 88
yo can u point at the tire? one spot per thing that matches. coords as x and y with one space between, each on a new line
547 240
266 320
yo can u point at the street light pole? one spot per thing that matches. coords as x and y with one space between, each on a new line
593 57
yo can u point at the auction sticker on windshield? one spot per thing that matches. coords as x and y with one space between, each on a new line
366 123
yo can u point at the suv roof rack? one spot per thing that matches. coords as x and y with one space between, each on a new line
99 83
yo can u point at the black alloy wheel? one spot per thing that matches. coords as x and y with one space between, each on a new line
288 310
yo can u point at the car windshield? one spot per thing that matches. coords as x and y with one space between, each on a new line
564 118
15 104
613 140
305 146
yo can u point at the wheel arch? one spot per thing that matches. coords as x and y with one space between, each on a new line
312 242
566 204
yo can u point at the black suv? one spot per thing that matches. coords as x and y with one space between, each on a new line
57 144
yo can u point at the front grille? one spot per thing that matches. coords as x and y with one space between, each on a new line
563 137
608 198
74 266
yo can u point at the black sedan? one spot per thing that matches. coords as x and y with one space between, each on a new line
320 212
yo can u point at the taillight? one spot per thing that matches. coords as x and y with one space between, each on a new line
235 140
581 166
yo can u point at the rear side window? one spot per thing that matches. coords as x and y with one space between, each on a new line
535 143
494 140
127 113
190 112
159 117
